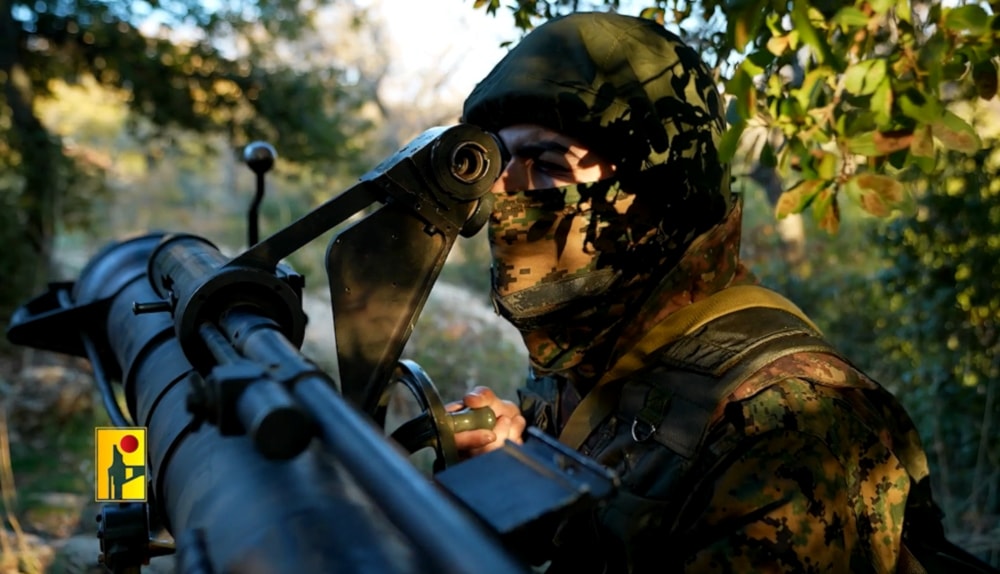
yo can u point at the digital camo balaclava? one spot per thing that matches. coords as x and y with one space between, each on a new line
636 95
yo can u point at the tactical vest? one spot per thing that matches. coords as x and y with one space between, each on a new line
651 416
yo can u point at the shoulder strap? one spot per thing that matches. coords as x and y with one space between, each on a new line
601 400
696 397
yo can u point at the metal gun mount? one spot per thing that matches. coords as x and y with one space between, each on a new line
380 269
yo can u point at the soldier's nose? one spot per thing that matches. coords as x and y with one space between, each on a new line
501 185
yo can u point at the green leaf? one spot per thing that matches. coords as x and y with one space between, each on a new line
730 142
807 163
851 123
985 75
923 142
775 86
803 25
881 103
827 166
822 136
850 17
897 159
877 194
954 69
777 45
863 78
826 212
812 84
904 11
955 133
927 165
751 67
744 23
741 31
793 39
863 144
655 14
881 6
817 18
970 18
761 58
797 198
773 22
932 57
785 157
767 157
918 106
790 110
934 14
741 87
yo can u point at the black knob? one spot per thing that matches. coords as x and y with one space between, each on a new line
259 156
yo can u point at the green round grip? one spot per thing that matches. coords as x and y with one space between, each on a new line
473 419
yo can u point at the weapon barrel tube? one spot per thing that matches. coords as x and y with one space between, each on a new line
254 514
307 514
183 262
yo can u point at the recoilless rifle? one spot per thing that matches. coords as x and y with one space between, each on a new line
257 459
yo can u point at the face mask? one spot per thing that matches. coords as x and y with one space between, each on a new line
551 256
570 263
542 305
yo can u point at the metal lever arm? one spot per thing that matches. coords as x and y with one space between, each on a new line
434 427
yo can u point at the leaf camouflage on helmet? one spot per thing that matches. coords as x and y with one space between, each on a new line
644 101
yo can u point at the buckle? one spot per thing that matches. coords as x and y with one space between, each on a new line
647 431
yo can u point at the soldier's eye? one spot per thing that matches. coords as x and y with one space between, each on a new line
548 151
550 168
549 162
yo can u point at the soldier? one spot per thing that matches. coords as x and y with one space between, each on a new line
744 442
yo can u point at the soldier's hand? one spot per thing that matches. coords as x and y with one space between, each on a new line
509 426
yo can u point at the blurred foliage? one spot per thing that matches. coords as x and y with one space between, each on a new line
941 327
176 66
461 343
469 265
15 260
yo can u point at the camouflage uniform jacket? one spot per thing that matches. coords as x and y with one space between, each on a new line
807 466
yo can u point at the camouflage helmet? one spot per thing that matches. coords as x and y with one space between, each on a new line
627 88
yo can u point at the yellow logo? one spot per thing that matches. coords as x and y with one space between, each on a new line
120 464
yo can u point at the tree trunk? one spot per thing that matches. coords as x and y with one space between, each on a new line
40 152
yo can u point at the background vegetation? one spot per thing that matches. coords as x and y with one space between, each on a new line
864 139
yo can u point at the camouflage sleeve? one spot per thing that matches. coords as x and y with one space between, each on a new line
808 488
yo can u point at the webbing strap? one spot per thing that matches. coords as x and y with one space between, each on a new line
692 412
600 401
